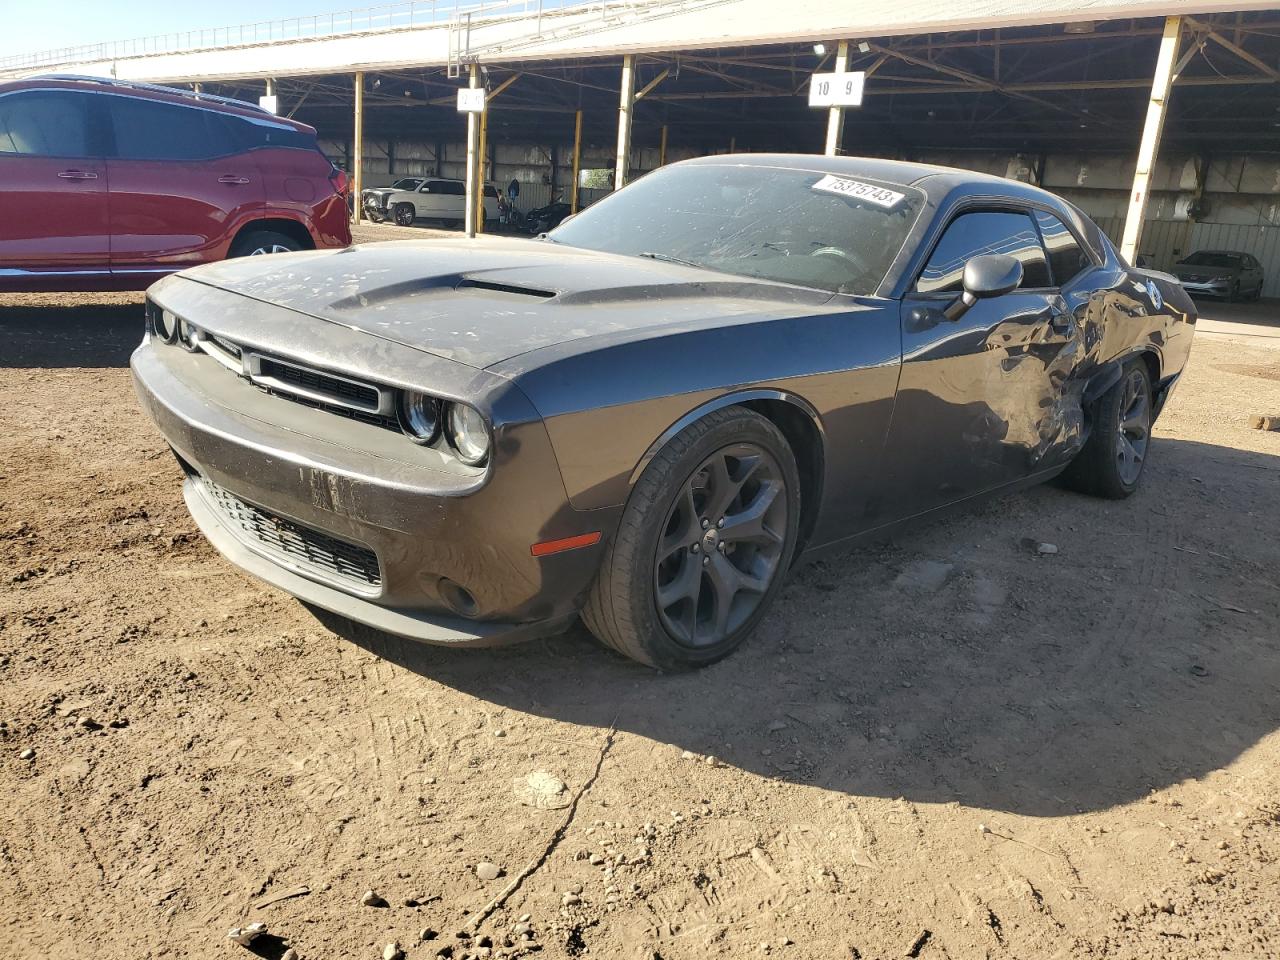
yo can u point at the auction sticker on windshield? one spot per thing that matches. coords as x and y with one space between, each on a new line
858 190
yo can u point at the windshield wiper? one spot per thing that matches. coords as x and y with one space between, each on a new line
667 258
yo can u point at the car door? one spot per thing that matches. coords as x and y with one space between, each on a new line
427 200
977 397
180 184
1254 286
53 185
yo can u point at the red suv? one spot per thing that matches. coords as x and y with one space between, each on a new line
108 185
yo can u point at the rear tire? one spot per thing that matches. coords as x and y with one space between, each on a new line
1111 463
404 214
703 546
259 242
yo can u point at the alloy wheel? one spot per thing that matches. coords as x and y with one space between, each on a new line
273 248
1134 431
721 546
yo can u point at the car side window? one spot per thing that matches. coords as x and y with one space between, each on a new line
453 189
44 123
980 232
148 130
1066 259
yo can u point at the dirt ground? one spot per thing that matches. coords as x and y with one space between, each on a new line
945 746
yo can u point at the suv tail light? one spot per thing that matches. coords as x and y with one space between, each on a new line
338 178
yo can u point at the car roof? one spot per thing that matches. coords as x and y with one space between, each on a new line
936 181
149 91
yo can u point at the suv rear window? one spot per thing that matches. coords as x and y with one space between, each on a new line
255 132
148 130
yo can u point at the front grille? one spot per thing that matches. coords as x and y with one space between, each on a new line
387 422
321 553
319 383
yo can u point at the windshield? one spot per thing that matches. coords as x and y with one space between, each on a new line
408 183
795 226
1213 260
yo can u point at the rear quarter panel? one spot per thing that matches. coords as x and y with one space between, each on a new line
296 186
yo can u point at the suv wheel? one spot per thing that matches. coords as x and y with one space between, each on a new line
404 214
256 243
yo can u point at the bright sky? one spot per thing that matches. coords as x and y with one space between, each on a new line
32 25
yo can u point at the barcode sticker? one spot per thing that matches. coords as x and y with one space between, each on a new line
858 190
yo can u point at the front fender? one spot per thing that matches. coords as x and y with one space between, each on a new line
733 398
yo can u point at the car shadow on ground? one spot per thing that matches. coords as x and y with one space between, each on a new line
955 664
69 330
1262 313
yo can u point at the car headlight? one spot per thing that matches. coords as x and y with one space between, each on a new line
419 416
468 434
166 325
189 335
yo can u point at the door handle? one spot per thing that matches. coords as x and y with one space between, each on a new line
78 175
231 178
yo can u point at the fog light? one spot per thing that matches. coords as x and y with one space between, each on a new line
419 416
457 597
468 434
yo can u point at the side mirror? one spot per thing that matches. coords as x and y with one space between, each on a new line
989 275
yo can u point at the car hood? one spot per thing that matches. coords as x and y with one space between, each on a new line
486 300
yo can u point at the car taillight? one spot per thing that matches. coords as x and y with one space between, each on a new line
339 180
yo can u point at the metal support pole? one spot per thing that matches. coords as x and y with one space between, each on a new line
662 148
625 104
271 87
473 159
483 173
1160 87
835 115
357 161
577 159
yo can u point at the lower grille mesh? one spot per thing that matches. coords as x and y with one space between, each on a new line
324 554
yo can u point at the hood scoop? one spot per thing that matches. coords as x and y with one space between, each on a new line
511 288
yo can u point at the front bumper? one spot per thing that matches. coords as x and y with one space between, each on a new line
1211 288
429 627
371 489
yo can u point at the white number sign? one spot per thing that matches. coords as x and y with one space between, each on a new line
471 100
858 190
836 89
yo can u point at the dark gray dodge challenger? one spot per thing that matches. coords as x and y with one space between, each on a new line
646 417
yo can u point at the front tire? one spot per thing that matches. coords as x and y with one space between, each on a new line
404 214
703 546
1111 463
